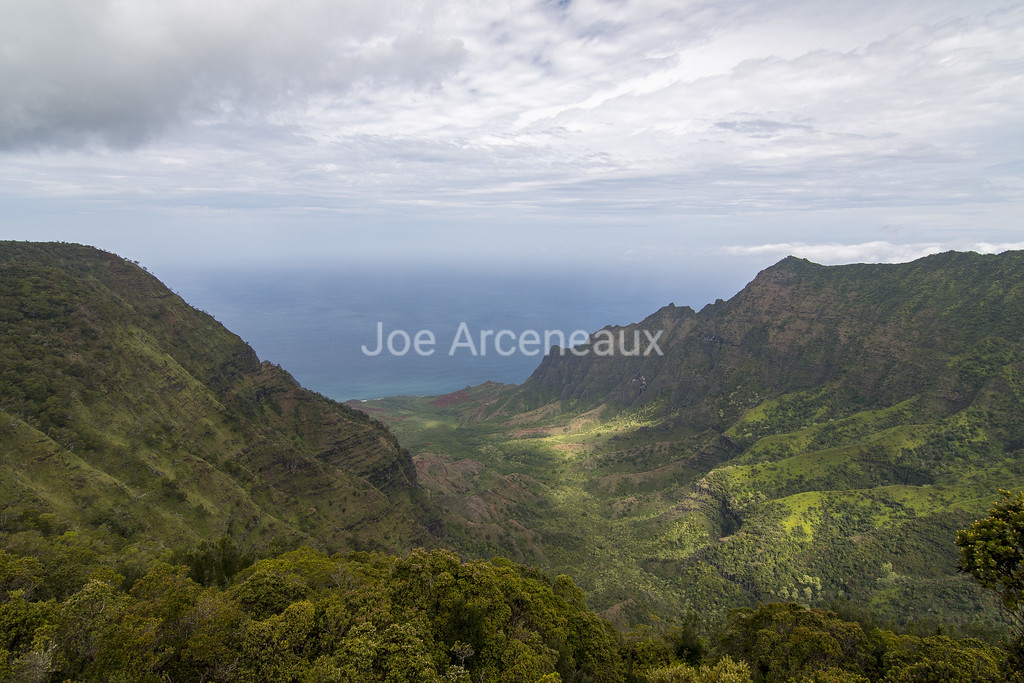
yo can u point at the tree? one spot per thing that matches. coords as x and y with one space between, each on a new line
725 671
992 551
783 641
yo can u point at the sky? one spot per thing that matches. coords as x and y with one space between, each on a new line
629 137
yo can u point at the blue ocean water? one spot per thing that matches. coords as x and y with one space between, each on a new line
315 324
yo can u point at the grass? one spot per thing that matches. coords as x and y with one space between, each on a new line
123 408
622 504
762 463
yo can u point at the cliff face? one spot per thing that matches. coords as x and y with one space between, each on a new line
819 437
879 333
120 405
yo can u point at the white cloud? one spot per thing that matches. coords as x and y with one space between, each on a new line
682 120
867 252
121 71
988 248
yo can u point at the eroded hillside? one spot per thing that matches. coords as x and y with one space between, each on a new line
123 408
819 437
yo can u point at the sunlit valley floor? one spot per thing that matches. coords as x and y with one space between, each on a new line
655 522
172 507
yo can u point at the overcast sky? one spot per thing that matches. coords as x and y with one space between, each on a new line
590 133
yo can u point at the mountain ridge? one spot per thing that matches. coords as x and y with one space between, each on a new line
823 422
819 434
750 320
170 427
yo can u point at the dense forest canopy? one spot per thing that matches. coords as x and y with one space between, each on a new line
777 498
428 616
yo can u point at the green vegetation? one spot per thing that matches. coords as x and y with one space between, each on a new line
357 616
124 409
992 551
818 438
774 499
304 616
787 642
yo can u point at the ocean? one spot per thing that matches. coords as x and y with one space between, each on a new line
316 324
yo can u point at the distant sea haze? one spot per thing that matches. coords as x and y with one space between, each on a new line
315 325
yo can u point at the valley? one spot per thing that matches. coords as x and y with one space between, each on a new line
820 438
797 460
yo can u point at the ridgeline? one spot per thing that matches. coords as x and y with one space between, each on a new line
773 498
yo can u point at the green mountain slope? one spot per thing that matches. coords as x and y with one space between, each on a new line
881 332
819 437
122 408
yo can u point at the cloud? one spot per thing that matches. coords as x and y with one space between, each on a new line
619 123
122 71
867 252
